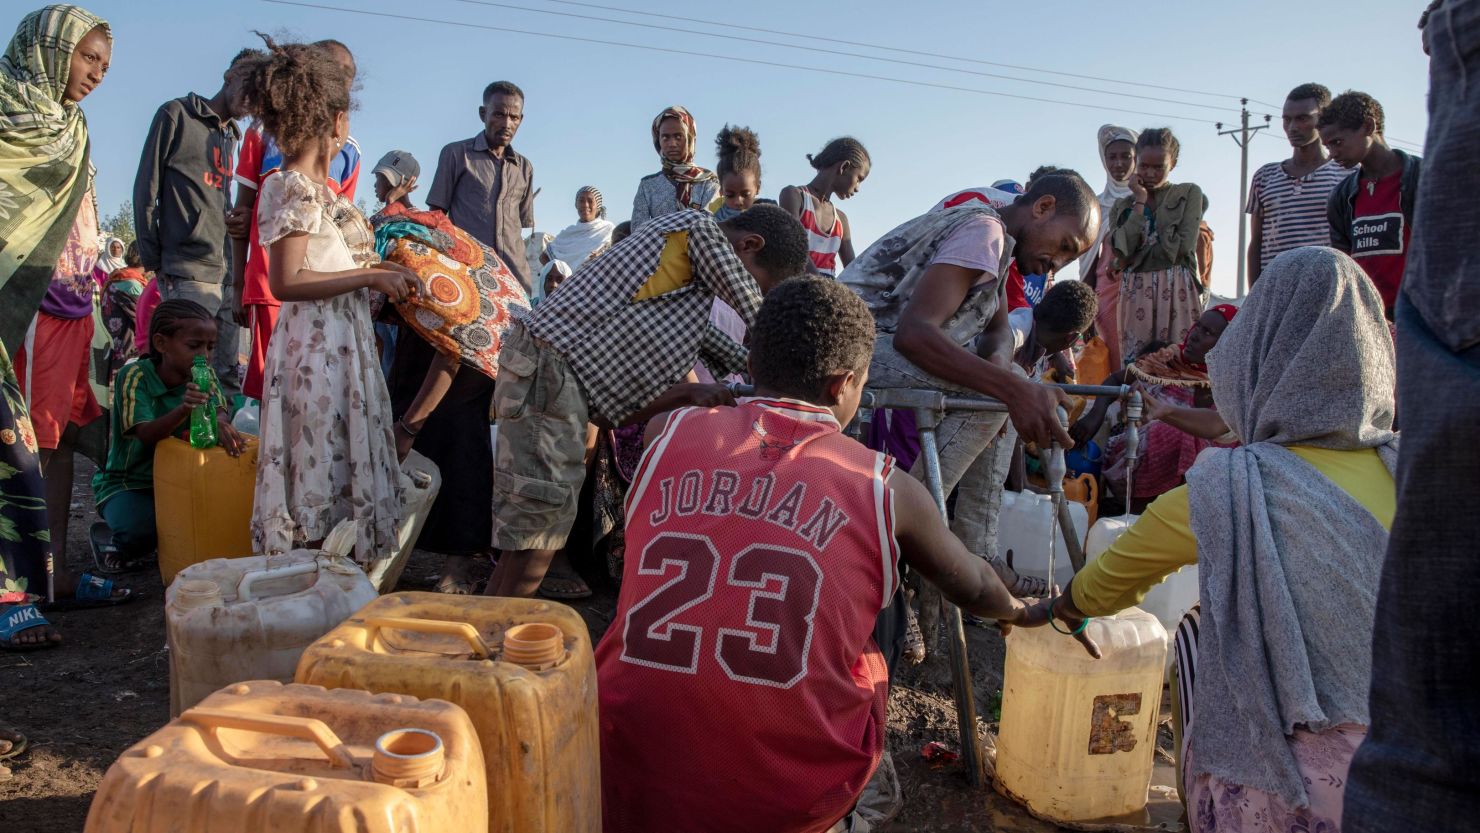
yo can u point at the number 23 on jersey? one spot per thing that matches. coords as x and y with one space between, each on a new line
755 621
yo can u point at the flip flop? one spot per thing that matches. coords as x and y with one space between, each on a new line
92 592
107 557
579 588
17 747
16 620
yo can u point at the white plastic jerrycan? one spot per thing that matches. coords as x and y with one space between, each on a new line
1167 601
233 619
1078 734
1023 527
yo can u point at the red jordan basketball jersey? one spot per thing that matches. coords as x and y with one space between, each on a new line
740 685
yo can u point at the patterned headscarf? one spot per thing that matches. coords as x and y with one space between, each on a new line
596 194
44 169
1169 365
683 174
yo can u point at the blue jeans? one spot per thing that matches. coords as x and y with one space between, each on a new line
1419 768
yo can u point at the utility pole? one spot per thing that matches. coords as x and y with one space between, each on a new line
1241 136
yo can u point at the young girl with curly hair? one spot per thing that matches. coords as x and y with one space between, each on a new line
327 451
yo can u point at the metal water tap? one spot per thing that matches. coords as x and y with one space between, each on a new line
1055 471
1133 411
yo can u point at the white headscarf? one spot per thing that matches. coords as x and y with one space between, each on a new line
1114 190
106 261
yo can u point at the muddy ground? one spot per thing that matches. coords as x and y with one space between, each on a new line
108 687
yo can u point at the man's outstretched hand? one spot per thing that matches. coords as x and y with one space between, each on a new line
1033 410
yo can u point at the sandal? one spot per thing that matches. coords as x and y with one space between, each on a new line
17 743
16 620
564 587
92 592
914 640
1021 586
107 557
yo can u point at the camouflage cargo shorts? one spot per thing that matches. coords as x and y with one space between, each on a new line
539 460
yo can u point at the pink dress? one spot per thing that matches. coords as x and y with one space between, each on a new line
143 311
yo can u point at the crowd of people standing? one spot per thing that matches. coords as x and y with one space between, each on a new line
603 353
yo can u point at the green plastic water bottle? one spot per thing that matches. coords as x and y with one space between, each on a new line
202 420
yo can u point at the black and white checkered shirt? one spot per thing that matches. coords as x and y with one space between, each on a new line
627 352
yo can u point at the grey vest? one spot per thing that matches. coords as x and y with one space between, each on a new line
886 274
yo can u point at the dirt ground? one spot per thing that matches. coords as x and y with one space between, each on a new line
108 687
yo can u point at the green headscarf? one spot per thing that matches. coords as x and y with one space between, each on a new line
44 170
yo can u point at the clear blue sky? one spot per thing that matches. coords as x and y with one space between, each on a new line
589 106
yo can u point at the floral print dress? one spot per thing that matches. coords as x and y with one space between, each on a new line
327 452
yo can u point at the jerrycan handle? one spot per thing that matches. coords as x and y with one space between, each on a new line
251 578
437 626
303 728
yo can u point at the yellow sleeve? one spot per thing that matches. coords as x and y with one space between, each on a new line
131 398
1156 546
675 269
1359 473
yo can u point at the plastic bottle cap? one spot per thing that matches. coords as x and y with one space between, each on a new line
408 758
536 645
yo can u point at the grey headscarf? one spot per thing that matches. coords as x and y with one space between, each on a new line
1289 562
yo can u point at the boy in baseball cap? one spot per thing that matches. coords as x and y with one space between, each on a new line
395 177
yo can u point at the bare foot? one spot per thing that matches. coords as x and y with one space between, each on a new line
455 580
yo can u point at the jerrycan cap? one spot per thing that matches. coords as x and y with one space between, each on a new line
408 758
534 645
197 592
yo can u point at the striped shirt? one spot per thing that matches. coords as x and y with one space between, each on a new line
1293 210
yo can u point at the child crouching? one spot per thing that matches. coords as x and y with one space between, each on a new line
152 400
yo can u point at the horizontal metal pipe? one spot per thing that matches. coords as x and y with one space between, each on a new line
939 401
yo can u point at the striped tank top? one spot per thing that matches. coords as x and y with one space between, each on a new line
822 246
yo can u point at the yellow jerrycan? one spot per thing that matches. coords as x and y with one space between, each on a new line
261 756
1078 734
522 668
203 503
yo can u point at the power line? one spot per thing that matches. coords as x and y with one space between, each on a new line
757 61
815 49
1390 140
816 37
